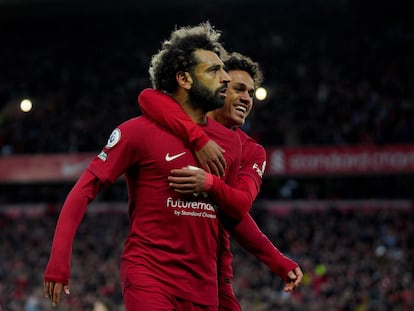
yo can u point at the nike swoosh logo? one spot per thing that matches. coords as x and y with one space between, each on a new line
169 158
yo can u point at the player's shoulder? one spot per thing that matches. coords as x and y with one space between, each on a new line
218 128
135 121
247 140
225 137
139 122
220 133
136 128
243 135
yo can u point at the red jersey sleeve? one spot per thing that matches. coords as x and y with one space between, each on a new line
73 210
248 235
249 179
163 109
253 163
237 199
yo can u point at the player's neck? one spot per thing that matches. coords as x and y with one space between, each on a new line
197 114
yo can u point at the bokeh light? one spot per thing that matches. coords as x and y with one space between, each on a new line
26 105
261 93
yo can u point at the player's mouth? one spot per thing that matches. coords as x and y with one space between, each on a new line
240 110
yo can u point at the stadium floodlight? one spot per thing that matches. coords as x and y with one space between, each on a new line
261 93
26 105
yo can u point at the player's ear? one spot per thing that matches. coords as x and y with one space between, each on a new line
184 79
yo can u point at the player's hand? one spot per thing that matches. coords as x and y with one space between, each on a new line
53 290
294 278
211 158
188 180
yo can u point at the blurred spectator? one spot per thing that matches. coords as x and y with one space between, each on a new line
338 81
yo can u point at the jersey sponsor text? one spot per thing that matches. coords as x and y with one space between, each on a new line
191 208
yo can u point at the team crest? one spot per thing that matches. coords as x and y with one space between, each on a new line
114 138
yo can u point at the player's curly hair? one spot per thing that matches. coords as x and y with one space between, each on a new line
237 61
176 54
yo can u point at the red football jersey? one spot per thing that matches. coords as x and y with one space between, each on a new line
249 179
173 239
164 110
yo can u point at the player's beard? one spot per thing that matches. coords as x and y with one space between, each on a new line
203 97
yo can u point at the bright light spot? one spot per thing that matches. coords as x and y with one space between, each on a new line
26 105
261 93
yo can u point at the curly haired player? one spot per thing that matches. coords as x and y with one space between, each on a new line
245 77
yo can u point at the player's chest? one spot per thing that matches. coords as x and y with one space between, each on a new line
166 154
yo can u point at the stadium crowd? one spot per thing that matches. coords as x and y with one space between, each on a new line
337 81
329 83
351 260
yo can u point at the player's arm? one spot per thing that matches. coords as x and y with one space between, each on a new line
250 237
56 277
119 153
234 201
164 110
